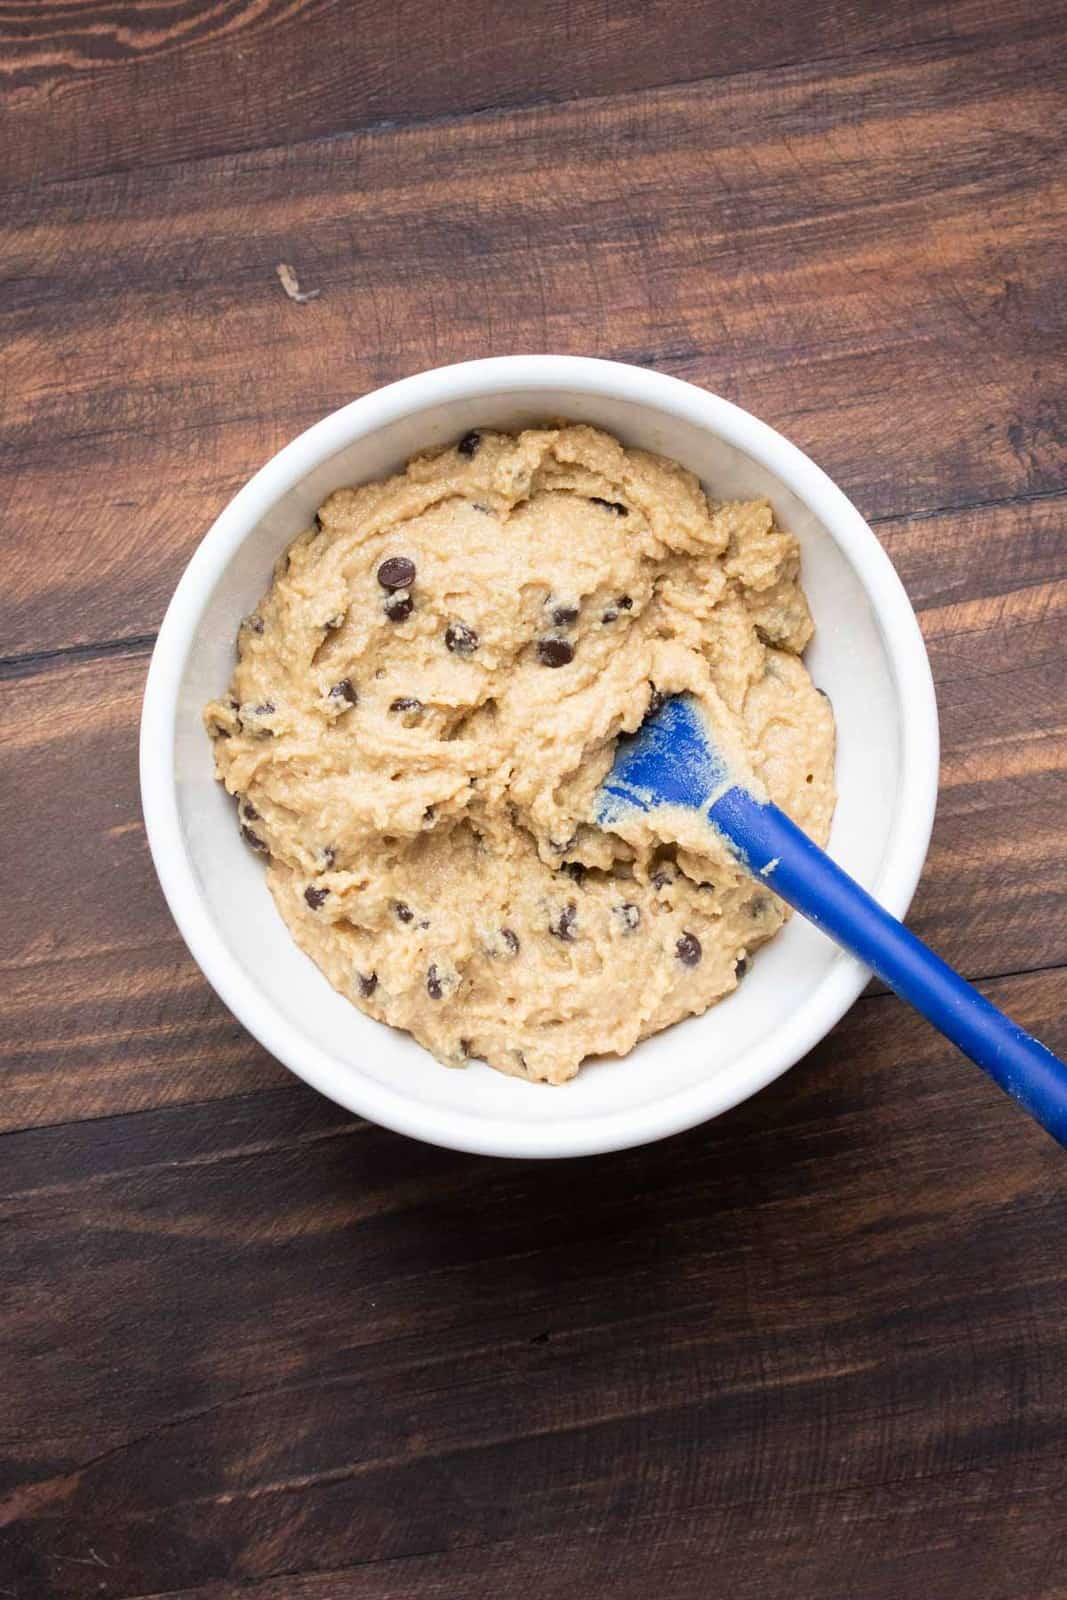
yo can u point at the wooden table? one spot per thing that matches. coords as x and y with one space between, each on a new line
250 1345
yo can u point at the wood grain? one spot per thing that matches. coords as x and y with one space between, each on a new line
866 254
94 88
106 1002
937 1539
252 1346
395 1360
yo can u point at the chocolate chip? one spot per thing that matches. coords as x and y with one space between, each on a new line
627 915
741 969
553 652
398 607
434 987
396 572
656 701
661 879
253 839
251 720
403 911
688 950
624 603
461 640
249 812
610 505
510 940
344 691
368 982
315 897
469 443
564 616
610 616
564 925
575 870
406 702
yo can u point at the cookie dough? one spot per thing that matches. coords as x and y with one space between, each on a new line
428 696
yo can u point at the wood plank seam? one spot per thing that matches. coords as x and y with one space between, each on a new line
993 503
944 45
23 664
340 1475
217 1589
250 1096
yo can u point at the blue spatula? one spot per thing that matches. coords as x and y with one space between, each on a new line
674 761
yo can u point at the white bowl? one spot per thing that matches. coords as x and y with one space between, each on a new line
868 655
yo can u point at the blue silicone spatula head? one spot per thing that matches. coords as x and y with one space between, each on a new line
671 760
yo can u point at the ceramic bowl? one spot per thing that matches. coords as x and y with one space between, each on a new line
868 655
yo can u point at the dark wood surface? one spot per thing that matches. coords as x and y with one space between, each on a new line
250 1345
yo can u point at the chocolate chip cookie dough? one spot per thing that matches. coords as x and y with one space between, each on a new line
428 696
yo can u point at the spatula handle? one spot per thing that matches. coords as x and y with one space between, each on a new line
775 850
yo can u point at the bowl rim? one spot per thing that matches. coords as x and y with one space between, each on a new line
490 378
